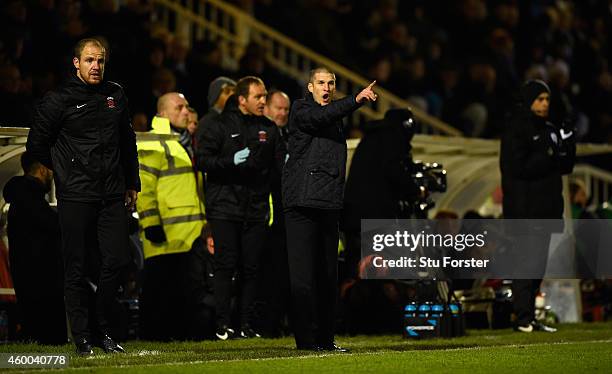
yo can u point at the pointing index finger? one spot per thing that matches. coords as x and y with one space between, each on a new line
372 84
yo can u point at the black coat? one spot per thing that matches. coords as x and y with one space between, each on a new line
380 176
239 192
36 260
83 133
33 230
314 174
532 164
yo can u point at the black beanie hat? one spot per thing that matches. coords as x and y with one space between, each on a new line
215 87
531 90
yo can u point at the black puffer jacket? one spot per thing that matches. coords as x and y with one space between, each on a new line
83 133
533 158
314 175
239 193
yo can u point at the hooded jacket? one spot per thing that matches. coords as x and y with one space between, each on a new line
83 133
533 158
239 192
33 233
313 176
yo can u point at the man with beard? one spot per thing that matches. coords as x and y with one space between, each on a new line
35 255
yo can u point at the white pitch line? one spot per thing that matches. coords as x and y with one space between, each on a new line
332 354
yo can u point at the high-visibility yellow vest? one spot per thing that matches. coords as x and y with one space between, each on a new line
169 194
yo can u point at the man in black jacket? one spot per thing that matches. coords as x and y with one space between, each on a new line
241 153
35 254
312 189
534 155
82 132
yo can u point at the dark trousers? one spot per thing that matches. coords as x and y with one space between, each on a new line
95 249
236 243
274 283
162 302
524 293
312 248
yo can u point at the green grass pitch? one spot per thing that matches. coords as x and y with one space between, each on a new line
576 348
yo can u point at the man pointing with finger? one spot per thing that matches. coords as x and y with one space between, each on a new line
313 186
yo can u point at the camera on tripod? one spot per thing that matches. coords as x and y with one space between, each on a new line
428 177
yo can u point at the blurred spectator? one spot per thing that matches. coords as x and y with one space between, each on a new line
277 108
253 62
35 254
204 64
274 266
16 105
219 90
192 121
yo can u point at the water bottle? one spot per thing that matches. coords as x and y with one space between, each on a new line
410 310
424 309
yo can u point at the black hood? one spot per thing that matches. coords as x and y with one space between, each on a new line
231 105
22 187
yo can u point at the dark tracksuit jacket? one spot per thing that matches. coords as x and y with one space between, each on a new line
83 133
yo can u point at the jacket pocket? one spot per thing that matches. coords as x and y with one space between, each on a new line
180 200
323 184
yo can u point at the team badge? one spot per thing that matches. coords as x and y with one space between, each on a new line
263 136
110 101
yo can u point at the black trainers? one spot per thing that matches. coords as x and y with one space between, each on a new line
539 326
84 347
108 345
224 333
534 326
333 347
247 332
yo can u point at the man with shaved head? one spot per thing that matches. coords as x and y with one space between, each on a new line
171 216
83 133
312 189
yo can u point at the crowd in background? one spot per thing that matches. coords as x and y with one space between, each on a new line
145 58
460 61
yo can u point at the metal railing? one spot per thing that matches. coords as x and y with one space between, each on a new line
598 182
216 20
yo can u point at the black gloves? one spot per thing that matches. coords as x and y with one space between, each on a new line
155 234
